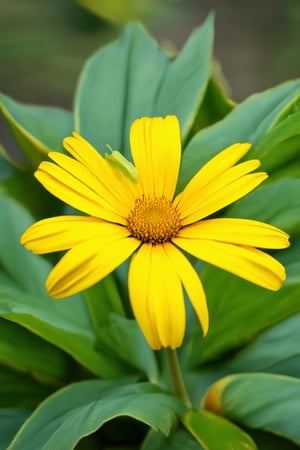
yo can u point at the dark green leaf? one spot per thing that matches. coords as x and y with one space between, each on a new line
10 422
82 408
122 338
20 390
272 351
26 352
178 440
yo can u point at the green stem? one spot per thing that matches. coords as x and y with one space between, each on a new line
176 375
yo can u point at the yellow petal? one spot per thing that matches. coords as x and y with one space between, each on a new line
224 196
191 282
156 151
64 232
74 192
237 231
246 262
214 168
121 188
138 283
88 263
157 301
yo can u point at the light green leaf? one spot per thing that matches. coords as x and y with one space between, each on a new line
133 77
248 122
80 409
215 433
120 12
259 400
37 129
10 422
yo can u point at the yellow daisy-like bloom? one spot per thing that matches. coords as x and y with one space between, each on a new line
141 218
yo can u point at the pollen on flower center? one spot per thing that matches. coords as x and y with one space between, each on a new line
153 220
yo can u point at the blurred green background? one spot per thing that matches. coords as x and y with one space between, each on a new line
44 43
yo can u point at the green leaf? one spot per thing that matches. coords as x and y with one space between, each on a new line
10 422
20 390
272 351
277 204
239 312
123 339
23 299
37 129
82 408
216 433
178 440
231 308
258 400
248 122
133 77
26 352
215 106
22 186
121 12
281 144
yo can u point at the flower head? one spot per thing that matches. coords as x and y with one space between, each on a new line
139 216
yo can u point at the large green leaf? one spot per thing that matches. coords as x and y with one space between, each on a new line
10 421
248 122
123 338
80 409
22 186
216 433
269 402
277 204
133 77
178 440
37 129
231 308
20 390
23 298
281 144
27 353
272 351
239 312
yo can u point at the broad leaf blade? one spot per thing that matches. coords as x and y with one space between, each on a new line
133 77
37 129
80 409
216 433
269 402
10 422
248 122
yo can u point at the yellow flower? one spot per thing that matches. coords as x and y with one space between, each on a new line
138 216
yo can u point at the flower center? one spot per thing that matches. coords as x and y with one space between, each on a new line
153 220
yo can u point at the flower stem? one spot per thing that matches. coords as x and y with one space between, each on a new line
176 375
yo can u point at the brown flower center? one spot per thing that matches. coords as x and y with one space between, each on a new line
153 220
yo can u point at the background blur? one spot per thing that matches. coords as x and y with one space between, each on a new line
43 44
